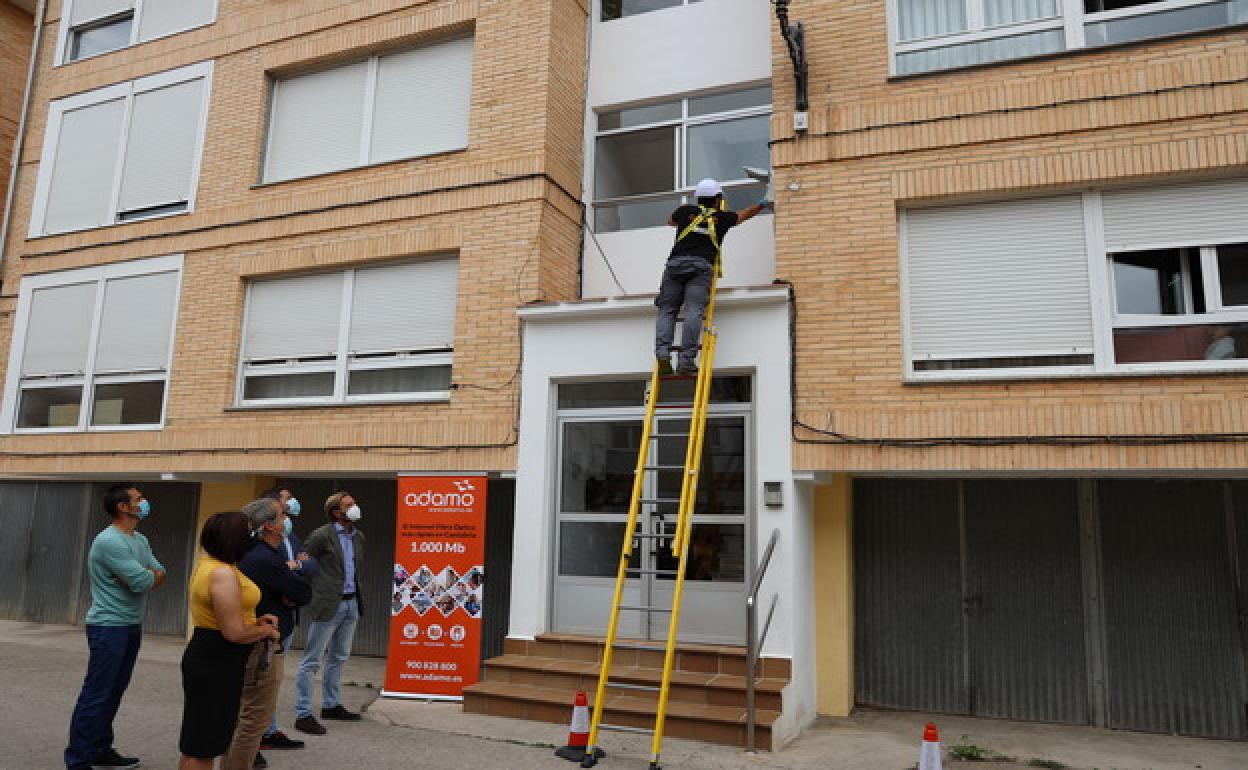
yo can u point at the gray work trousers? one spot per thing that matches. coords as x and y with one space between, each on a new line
687 282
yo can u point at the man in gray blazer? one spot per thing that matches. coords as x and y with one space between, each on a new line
338 547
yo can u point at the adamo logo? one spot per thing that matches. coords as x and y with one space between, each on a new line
463 497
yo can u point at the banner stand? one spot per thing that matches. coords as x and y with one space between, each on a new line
429 698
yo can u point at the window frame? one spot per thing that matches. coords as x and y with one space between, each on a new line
65 34
89 377
1102 308
127 91
683 188
1071 18
344 361
598 17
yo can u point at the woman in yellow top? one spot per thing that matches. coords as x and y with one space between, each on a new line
223 609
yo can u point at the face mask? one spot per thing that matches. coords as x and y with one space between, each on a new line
353 513
289 527
292 507
145 509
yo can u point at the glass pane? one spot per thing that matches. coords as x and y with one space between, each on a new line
638 116
720 150
1018 362
1170 22
928 18
50 407
1149 282
416 379
721 488
590 395
315 384
716 553
598 460
1233 274
1000 12
616 9
1218 342
635 163
129 403
982 52
732 100
101 38
633 215
591 548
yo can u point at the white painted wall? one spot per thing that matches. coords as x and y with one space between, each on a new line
637 256
679 50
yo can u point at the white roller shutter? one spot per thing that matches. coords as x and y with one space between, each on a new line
404 307
317 122
165 17
81 188
1206 213
422 101
137 322
294 317
84 11
161 146
998 280
58 330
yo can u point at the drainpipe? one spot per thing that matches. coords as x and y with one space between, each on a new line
19 146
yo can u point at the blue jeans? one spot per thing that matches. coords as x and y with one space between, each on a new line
113 651
333 636
273 722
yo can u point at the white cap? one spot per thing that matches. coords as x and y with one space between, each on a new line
708 188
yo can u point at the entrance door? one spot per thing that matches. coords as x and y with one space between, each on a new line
596 458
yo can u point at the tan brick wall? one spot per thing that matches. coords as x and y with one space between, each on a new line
1160 112
512 218
16 31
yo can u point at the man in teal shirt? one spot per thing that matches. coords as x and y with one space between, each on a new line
122 570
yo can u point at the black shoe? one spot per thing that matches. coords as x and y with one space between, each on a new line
686 369
260 761
278 741
665 367
111 759
309 725
340 713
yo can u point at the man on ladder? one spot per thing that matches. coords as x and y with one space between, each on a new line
700 234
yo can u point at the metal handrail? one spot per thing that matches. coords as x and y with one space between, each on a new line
755 645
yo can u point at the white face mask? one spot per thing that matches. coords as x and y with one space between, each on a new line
353 513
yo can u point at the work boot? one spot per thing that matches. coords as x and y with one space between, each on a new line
687 369
665 366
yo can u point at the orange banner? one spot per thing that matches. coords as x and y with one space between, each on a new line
438 588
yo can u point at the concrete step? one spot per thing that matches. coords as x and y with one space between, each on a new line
703 722
694 658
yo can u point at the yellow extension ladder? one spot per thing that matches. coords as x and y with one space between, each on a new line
679 539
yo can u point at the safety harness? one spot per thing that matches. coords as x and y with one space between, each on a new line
707 218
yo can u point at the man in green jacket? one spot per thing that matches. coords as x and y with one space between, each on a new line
122 570
335 608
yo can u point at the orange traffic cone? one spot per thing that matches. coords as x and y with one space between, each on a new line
929 754
578 733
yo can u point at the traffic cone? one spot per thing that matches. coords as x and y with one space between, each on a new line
929 754
578 733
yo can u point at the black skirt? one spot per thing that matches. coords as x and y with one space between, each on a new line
212 685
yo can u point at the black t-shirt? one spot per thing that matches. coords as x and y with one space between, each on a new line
698 243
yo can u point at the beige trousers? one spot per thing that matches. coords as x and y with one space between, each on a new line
255 709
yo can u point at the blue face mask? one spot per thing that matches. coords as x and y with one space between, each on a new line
292 507
145 509
289 527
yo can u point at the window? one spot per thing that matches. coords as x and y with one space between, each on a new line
98 26
941 34
647 159
618 9
1134 279
93 347
368 334
122 153
401 105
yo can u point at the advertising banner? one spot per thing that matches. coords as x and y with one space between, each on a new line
438 588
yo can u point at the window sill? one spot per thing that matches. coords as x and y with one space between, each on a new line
349 169
1182 369
80 431
439 397
128 222
1087 50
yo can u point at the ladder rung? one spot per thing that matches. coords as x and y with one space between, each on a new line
625 729
630 686
643 608
673 406
682 347
659 572
656 500
669 435
663 467
654 535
